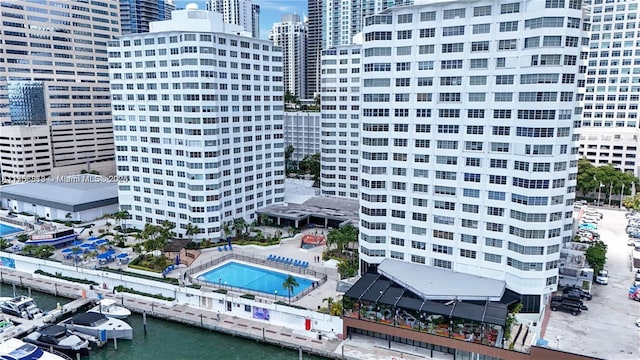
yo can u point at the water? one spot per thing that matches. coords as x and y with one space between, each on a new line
6 229
253 278
172 341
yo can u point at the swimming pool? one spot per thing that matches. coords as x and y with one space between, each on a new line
6 229
253 278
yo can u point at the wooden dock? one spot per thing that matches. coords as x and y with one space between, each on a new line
24 327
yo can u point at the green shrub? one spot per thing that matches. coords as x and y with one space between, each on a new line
121 288
67 278
172 281
248 296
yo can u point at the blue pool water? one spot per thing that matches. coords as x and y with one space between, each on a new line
253 278
6 229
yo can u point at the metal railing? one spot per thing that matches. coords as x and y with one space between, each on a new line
322 277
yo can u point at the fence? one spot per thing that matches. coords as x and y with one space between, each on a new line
322 277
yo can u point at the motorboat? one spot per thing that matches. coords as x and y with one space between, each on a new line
95 324
59 338
110 308
16 349
21 306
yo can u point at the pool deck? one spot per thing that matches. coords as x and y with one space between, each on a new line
288 248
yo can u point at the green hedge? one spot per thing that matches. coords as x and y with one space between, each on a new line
248 296
291 305
172 281
121 288
68 278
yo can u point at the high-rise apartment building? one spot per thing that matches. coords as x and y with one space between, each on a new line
54 77
135 15
240 12
340 121
610 126
343 19
291 36
314 47
198 122
468 153
302 131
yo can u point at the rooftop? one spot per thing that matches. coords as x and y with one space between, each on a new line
70 193
434 283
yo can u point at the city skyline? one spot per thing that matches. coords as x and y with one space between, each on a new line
270 11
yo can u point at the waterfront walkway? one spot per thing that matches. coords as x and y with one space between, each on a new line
359 347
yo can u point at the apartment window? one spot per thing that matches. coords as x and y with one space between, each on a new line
510 8
481 28
510 44
427 33
404 34
453 30
428 16
478 46
454 13
508 26
405 18
493 258
482 10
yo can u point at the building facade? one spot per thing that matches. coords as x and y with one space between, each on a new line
198 127
240 12
343 19
340 121
54 73
467 138
291 36
135 15
314 47
610 96
302 131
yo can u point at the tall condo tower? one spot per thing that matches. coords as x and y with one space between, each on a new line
610 128
291 36
55 108
240 12
314 47
468 152
198 123
135 15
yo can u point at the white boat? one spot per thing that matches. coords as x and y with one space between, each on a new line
21 306
19 350
94 324
59 338
110 308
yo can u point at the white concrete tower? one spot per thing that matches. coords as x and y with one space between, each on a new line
467 134
198 123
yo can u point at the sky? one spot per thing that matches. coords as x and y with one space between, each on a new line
271 11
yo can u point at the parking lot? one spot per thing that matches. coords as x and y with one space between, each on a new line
608 329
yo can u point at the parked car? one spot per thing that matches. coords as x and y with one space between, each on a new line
638 323
603 277
571 307
575 291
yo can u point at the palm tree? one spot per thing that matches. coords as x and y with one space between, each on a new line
192 230
120 217
329 301
238 226
4 243
45 251
290 283
264 219
227 230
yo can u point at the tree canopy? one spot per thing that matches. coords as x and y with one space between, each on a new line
606 178
596 255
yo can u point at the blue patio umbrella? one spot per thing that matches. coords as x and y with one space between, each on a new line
92 238
67 250
178 259
229 240
76 243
